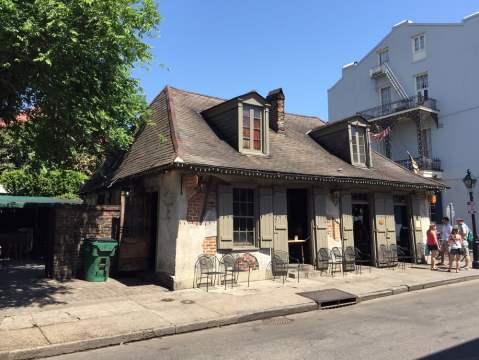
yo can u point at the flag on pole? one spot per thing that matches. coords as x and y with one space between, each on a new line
380 136
414 165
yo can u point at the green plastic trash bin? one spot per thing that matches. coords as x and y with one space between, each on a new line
97 253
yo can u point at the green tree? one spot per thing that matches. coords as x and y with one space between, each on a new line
68 64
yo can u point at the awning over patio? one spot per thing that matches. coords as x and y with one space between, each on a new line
12 201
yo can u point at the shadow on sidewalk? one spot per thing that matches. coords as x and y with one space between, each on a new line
468 350
23 284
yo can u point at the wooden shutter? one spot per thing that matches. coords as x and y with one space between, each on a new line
347 220
419 212
320 220
390 222
280 210
379 220
266 217
225 217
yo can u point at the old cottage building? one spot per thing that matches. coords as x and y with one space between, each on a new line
209 175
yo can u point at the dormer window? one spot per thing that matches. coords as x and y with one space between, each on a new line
358 145
252 128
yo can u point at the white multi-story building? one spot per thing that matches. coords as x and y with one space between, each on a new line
421 82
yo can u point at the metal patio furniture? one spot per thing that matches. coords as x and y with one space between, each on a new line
420 253
246 263
206 267
228 269
383 256
403 257
393 256
322 260
336 259
349 260
362 259
282 263
4 259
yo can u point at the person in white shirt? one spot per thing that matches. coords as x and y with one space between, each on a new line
446 229
464 232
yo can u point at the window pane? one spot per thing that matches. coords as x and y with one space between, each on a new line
245 144
244 209
258 114
236 223
257 123
250 209
257 135
257 145
236 237
246 133
251 195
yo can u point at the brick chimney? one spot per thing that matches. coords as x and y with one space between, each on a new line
276 115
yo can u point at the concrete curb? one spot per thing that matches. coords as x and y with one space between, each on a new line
90 344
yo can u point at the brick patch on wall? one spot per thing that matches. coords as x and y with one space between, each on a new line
197 188
209 245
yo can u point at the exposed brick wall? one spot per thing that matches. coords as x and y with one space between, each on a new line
198 190
71 224
209 245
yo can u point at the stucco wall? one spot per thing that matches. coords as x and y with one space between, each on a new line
451 63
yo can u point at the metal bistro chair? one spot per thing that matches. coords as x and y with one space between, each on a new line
349 260
403 257
383 256
336 259
362 259
246 263
282 263
228 265
393 256
322 260
206 267
420 254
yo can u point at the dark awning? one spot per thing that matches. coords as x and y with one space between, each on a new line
12 201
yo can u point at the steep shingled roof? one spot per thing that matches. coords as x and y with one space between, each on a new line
179 136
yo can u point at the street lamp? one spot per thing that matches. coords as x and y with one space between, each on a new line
470 182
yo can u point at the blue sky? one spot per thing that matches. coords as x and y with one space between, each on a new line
228 47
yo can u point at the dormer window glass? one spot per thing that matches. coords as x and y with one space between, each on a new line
252 127
383 56
358 144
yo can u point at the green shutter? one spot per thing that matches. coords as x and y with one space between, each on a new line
225 217
266 217
320 220
280 210
347 220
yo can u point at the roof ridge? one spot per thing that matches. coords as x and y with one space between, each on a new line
307 116
171 120
195 93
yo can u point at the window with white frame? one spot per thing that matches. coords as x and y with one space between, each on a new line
252 128
383 56
422 86
358 145
418 43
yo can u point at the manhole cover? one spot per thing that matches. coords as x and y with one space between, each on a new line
167 300
187 302
278 321
331 298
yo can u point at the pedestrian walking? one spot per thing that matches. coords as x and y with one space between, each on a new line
455 246
432 244
446 229
464 232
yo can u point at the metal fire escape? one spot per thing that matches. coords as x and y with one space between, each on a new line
385 70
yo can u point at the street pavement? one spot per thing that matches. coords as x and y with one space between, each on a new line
437 323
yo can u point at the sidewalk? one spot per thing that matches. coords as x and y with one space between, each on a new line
83 315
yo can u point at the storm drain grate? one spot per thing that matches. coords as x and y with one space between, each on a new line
331 298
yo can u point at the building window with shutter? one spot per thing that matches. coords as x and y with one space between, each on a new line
244 217
252 128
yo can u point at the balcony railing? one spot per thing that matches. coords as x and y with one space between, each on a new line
423 163
397 106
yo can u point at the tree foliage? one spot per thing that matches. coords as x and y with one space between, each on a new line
68 63
58 183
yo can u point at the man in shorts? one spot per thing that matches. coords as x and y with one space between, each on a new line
446 229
